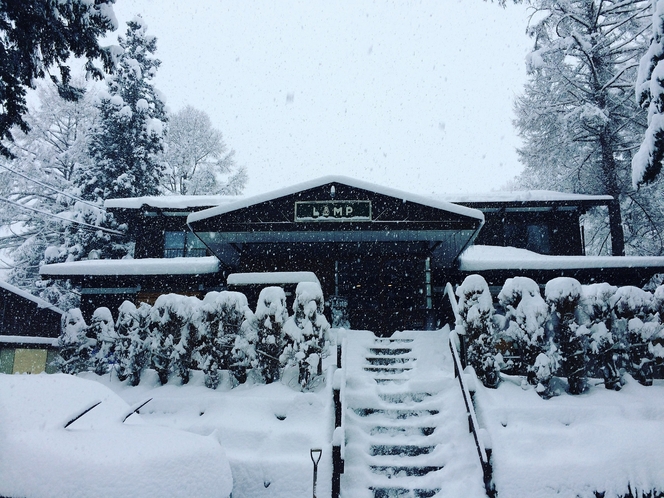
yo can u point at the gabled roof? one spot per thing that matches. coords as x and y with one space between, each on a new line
351 182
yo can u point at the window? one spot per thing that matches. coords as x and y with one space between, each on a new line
183 244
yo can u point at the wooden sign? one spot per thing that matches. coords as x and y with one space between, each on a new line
333 211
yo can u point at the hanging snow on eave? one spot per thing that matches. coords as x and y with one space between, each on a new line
271 278
351 182
148 266
483 258
171 201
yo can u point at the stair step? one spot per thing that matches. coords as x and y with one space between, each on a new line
391 340
404 470
402 431
389 351
395 369
404 397
387 360
400 450
403 492
395 414
389 380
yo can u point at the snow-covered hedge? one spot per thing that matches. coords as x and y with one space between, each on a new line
219 333
575 331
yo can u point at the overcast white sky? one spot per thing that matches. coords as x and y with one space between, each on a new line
412 95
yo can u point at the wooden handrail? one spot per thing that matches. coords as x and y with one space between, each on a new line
338 437
459 367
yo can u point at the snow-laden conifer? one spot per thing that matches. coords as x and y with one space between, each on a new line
102 329
173 335
133 350
527 315
74 346
604 347
563 294
635 324
222 315
307 333
129 135
476 323
264 333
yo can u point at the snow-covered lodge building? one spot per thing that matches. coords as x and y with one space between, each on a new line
383 253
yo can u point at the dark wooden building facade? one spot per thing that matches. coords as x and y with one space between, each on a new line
386 253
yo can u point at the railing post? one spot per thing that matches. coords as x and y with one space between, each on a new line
337 437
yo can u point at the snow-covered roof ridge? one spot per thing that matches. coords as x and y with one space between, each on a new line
24 294
479 258
521 196
351 182
147 266
171 201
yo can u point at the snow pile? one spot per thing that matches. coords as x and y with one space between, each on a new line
97 455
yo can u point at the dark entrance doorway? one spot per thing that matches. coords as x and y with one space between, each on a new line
384 293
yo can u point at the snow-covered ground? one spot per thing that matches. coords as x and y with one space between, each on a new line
567 446
570 446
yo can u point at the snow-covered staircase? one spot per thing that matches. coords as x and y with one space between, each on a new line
405 420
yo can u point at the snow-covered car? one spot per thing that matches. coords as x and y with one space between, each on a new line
107 452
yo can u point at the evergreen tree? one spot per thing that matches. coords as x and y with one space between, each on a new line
647 163
223 314
102 329
36 35
604 348
133 347
307 333
74 346
636 326
527 314
563 294
476 323
126 143
196 158
263 334
578 119
173 334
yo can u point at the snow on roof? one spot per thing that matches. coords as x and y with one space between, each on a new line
21 339
249 201
481 258
24 294
148 266
521 196
171 201
271 278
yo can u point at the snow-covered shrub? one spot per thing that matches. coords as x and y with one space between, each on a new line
476 323
173 333
307 333
635 324
604 348
527 314
75 347
656 346
264 333
563 294
222 315
133 348
102 329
